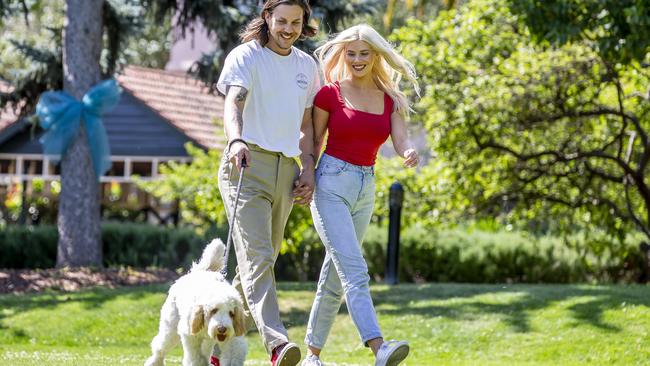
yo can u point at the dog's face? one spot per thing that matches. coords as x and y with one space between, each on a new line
222 321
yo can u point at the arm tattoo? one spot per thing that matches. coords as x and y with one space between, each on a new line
233 111
240 97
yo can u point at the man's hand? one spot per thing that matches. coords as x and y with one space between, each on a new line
304 187
239 152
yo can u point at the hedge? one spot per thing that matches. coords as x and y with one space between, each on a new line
136 245
433 256
495 257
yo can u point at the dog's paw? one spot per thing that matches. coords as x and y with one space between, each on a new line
154 361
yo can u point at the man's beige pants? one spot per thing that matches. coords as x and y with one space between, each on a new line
264 206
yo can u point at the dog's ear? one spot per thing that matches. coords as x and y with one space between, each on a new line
196 319
239 324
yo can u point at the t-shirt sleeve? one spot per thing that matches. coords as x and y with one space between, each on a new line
325 97
236 70
314 87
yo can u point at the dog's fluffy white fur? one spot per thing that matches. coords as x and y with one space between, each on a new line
202 310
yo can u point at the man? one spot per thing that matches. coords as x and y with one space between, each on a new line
269 87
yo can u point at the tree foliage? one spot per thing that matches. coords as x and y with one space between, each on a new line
194 186
131 36
10 7
31 60
36 51
426 193
553 135
136 32
618 29
398 11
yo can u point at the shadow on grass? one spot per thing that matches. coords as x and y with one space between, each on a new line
293 316
404 300
90 299
467 301
408 299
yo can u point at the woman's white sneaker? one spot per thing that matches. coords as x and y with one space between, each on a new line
311 360
391 353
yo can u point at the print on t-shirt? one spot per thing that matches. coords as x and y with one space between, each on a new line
301 80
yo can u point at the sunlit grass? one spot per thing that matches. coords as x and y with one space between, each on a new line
447 324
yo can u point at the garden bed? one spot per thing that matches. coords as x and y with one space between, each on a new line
66 279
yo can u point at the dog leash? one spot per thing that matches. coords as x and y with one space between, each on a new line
231 225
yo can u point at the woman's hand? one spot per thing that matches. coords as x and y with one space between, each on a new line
411 158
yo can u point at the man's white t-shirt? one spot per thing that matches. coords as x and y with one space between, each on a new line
279 89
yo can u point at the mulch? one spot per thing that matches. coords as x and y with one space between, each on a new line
75 279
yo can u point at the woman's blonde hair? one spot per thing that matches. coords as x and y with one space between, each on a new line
387 71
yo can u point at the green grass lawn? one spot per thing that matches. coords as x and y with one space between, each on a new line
447 324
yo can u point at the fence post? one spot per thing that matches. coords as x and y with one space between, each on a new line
396 197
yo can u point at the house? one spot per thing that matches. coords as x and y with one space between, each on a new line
158 113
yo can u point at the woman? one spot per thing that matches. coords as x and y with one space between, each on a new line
360 106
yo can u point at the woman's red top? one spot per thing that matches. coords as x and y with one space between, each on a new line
354 136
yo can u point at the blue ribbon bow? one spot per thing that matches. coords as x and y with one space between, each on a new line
60 115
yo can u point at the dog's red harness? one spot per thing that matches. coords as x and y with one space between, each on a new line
214 361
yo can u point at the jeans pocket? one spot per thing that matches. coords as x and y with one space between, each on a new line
332 168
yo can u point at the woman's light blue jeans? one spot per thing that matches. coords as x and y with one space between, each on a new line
341 210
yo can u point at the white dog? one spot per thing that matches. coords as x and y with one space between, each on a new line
202 310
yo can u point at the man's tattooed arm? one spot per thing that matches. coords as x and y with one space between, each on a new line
233 110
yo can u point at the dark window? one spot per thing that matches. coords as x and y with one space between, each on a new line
7 166
33 167
141 168
54 168
117 169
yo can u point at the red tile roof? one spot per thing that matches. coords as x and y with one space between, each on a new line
180 99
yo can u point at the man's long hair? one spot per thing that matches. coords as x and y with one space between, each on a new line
257 29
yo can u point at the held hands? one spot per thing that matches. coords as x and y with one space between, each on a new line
304 187
239 152
411 158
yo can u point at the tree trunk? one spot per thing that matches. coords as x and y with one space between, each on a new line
78 218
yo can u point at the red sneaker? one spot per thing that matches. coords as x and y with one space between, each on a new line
214 361
287 354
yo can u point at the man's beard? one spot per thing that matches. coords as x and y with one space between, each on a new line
279 40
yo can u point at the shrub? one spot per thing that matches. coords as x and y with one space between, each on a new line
141 245
136 245
459 255
450 255
28 246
